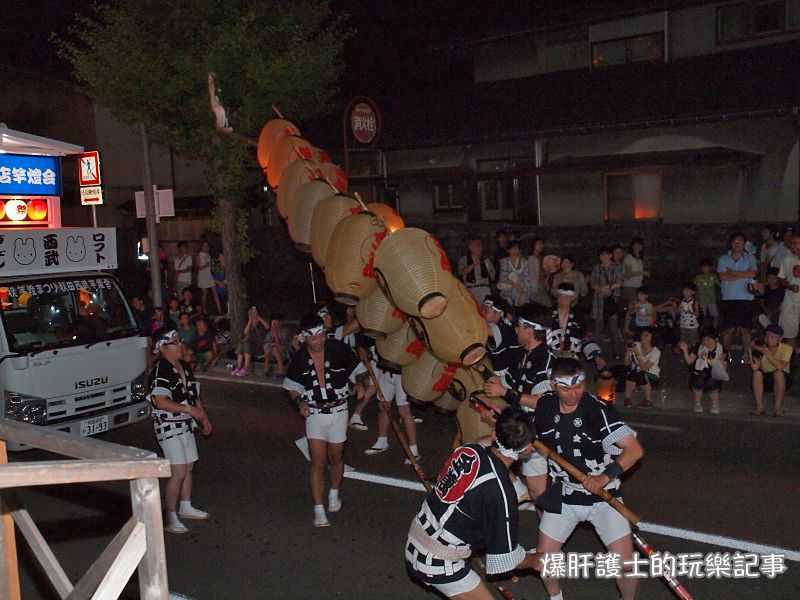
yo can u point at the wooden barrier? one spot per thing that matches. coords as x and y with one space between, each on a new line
139 544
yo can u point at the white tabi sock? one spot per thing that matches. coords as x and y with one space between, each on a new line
414 449
383 442
319 509
172 518
333 495
560 596
186 506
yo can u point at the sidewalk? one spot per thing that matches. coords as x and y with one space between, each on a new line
673 398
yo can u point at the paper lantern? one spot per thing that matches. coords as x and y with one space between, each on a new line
306 198
296 174
459 334
399 349
414 271
287 150
606 386
349 271
427 378
390 217
2 209
324 220
272 132
16 210
470 426
378 317
334 174
320 156
447 404
37 210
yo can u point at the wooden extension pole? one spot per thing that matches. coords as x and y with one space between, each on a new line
607 496
398 430
504 592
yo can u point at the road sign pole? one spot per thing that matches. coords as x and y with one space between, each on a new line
94 216
150 216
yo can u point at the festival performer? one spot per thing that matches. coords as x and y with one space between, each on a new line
502 344
177 412
566 332
318 381
525 381
590 434
471 506
392 389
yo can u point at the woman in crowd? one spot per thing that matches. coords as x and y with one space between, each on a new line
709 368
252 344
633 271
537 276
642 360
607 301
568 274
514 274
204 279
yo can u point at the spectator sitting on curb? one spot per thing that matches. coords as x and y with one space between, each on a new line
769 360
252 344
204 347
709 364
276 346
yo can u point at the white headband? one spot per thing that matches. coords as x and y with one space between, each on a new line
508 452
569 380
313 330
531 324
164 339
490 304
322 312
566 293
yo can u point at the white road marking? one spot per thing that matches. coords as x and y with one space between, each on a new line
665 530
667 428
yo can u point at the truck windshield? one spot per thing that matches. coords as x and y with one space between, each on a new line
41 314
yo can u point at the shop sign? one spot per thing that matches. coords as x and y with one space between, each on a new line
23 175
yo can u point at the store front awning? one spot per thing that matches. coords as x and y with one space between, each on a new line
18 142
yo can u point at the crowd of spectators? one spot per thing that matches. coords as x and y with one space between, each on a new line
741 308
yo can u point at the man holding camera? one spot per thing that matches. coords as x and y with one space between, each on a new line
769 360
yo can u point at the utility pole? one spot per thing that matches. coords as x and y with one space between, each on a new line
150 217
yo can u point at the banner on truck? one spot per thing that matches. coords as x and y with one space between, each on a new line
47 251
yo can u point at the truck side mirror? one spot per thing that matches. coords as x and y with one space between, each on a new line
20 363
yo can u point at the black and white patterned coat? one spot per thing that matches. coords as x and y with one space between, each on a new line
341 368
164 380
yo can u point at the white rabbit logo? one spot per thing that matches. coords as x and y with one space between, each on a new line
76 248
24 251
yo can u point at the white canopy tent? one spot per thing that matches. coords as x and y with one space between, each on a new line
18 142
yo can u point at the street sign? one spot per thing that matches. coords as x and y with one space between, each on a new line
89 168
364 122
165 204
91 195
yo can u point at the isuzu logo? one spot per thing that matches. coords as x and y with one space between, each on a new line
87 383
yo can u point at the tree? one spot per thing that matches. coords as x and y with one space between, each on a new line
148 61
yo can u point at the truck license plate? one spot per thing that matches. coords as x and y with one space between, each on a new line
94 425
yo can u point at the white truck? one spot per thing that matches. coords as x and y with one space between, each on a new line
72 356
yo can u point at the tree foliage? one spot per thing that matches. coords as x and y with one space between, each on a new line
148 61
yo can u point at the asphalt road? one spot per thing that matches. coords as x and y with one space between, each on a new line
735 477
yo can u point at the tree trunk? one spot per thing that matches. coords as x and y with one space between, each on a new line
228 210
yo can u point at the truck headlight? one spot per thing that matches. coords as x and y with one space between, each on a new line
139 388
28 409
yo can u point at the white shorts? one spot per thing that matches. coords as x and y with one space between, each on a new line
466 584
534 466
180 449
328 427
391 388
609 524
790 319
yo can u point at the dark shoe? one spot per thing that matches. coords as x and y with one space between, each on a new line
627 402
645 404
756 414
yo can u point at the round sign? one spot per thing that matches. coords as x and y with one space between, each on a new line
364 122
16 210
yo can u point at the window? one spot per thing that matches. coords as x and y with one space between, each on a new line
756 18
497 195
640 48
42 314
633 196
449 195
